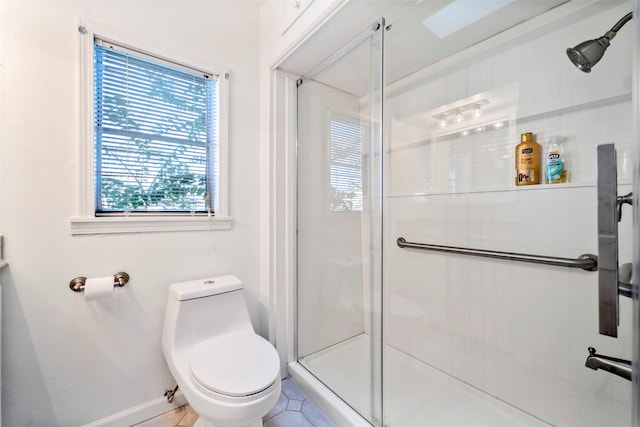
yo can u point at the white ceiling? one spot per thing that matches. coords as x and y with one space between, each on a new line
412 47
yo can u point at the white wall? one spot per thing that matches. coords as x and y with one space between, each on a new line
280 31
284 26
68 362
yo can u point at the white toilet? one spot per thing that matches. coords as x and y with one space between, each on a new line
229 375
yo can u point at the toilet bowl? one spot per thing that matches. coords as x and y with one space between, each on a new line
229 375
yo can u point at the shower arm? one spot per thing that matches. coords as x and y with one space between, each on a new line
626 18
609 35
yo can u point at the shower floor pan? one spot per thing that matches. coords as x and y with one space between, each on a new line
416 394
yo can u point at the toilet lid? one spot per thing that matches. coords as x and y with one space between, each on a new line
237 364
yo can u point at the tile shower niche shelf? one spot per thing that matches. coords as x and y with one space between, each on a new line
502 189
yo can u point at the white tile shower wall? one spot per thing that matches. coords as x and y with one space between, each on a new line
484 161
535 64
518 331
550 99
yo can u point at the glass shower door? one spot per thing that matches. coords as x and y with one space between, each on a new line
339 223
482 341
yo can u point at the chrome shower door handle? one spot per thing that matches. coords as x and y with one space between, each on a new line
607 240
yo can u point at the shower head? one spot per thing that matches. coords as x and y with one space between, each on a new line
587 54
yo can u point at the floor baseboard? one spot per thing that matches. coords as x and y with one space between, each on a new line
140 413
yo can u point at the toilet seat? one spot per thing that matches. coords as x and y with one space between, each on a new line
237 364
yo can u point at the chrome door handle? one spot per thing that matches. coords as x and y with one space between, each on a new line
607 240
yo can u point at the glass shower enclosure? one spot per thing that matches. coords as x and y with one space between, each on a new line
408 134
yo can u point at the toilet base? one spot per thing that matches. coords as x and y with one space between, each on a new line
201 422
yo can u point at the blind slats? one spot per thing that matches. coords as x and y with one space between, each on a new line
156 135
345 170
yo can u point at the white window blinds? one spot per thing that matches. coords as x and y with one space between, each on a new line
345 173
156 134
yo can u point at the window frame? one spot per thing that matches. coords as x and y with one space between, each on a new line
86 221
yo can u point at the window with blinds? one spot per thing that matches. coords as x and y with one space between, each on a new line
345 166
156 134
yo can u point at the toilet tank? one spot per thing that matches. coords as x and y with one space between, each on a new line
204 287
201 309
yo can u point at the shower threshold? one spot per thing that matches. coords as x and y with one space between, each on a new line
416 394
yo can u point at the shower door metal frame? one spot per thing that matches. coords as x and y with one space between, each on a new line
635 387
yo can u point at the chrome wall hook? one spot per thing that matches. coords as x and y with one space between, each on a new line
77 284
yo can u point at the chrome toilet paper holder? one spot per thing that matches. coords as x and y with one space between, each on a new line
77 284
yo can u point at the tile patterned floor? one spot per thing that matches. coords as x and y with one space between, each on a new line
179 417
293 409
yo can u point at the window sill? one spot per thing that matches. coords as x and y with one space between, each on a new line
137 224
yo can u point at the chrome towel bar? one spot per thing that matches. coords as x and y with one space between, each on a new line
588 262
